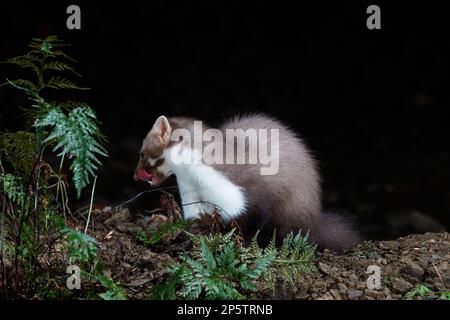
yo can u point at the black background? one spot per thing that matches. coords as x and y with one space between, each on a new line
372 104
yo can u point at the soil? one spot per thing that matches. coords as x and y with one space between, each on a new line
404 264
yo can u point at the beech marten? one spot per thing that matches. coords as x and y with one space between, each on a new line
278 190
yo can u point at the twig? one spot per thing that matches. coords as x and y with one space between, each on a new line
439 275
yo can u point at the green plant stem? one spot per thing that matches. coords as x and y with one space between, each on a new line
58 186
90 205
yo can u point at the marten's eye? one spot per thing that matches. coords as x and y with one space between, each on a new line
159 162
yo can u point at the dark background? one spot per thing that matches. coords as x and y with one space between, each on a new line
372 104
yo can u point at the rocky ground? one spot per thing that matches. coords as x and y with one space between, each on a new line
405 264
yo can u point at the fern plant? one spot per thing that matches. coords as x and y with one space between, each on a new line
219 267
113 290
73 127
12 188
292 259
215 270
33 194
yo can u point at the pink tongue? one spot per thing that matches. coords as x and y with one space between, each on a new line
144 175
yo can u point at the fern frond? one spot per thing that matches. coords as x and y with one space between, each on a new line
58 82
261 266
59 66
47 45
24 85
71 104
19 150
12 187
207 255
24 61
76 136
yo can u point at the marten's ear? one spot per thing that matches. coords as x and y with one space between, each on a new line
162 129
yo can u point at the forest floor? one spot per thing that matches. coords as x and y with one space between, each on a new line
415 266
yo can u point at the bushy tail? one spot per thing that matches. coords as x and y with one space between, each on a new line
335 232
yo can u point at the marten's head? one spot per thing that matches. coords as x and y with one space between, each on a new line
151 166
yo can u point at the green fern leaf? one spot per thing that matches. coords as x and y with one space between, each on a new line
59 66
58 82
76 135
13 188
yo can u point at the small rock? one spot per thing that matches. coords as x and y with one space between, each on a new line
401 285
324 268
361 286
414 271
435 258
121 216
326 296
335 294
342 287
353 277
128 227
148 255
373 293
354 294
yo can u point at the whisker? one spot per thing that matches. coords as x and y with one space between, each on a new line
142 193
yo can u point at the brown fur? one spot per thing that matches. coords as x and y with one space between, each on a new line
289 200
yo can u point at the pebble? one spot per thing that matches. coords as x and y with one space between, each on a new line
373 293
401 285
435 258
121 216
335 294
148 255
326 296
354 294
325 268
342 287
128 227
413 270
353 277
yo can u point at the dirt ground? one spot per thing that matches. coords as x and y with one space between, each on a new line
405 263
